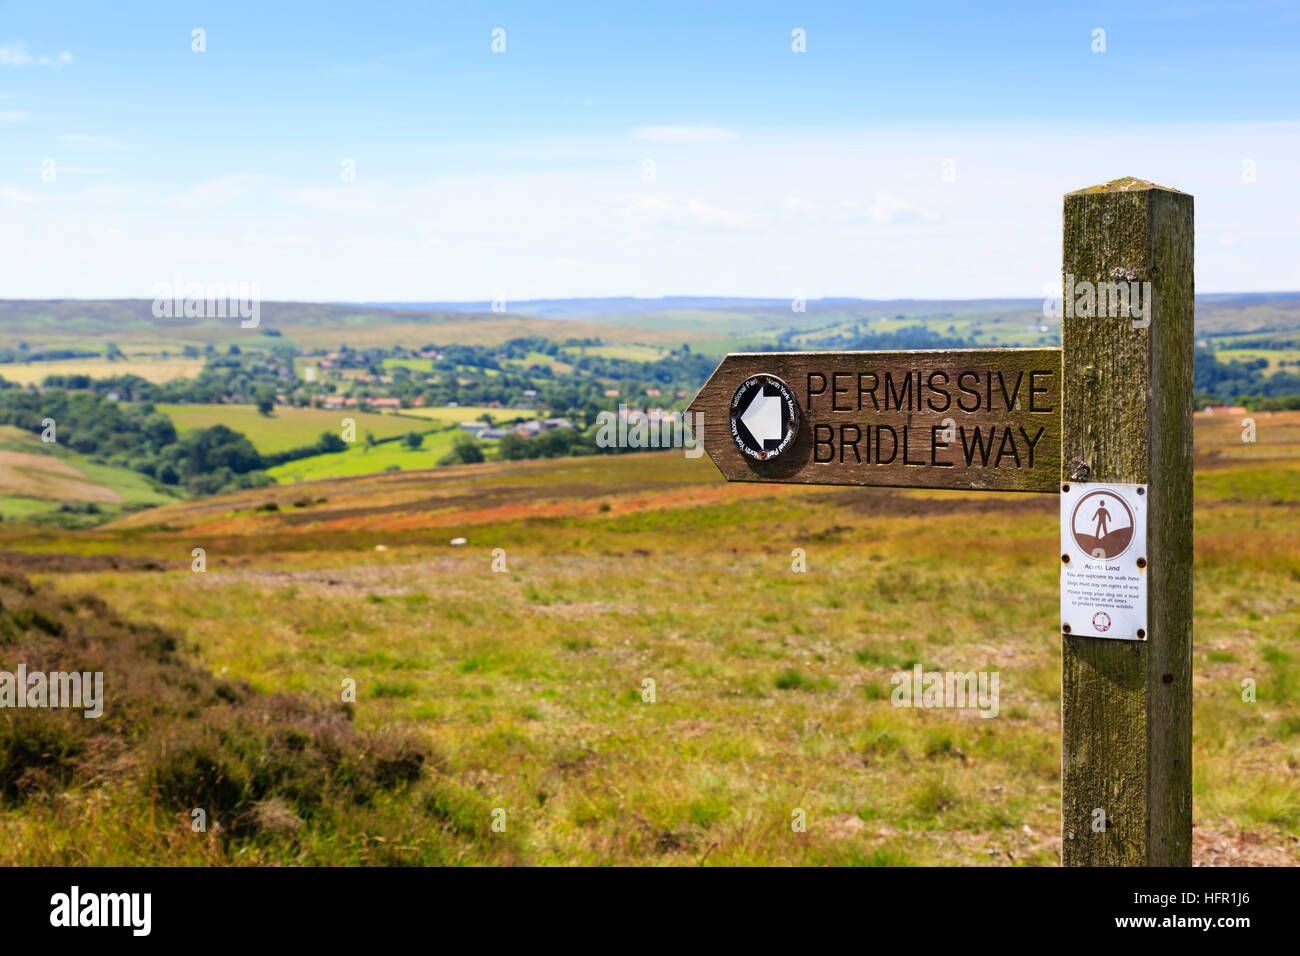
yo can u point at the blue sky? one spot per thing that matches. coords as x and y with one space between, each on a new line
652 149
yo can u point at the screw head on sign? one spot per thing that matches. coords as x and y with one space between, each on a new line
1142 562
1065 628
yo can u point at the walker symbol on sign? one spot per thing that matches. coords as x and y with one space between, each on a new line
1102 524
1101 621
1101 517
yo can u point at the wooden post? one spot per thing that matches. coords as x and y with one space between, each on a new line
1126 416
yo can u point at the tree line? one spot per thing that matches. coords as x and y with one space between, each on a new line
202 461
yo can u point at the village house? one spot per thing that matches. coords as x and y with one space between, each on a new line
338 401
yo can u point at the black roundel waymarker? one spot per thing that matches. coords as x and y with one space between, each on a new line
764 417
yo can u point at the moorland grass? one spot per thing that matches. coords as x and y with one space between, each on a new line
653 683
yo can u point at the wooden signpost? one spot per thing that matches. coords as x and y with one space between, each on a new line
986 419
1105 419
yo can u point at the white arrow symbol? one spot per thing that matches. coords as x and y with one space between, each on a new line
763 417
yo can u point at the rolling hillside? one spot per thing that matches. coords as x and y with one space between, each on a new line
711 322
40 480
56 322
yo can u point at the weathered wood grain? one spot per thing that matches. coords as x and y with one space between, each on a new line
1126 709
857 407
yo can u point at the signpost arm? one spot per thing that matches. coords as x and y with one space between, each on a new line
1126 706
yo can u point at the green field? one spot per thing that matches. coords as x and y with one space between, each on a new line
414 364
469 413
632 353
362 459
556 364
286 428
1274 357
156 370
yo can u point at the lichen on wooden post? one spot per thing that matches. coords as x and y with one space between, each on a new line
1126 707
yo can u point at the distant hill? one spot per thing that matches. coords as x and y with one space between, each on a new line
90 323
69 319
1218 313
668 320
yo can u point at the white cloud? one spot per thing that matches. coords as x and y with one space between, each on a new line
836 212
370 198
660 208
888 210
132 197
683 135
707 214
13 116
17 55
880 208
91 141
216 192
14 55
